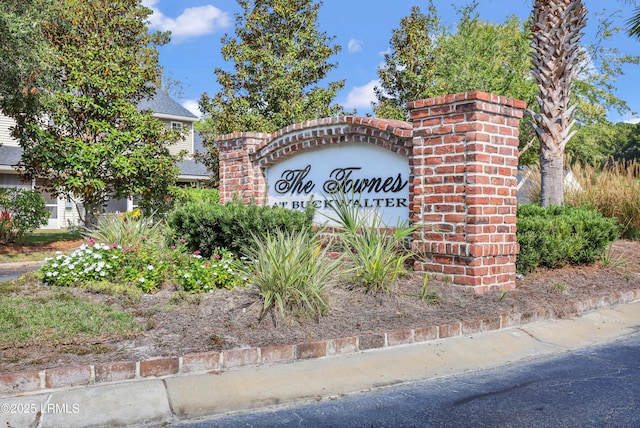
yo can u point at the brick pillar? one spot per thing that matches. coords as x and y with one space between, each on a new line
239 176
464 187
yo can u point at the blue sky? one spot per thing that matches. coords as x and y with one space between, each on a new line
363 29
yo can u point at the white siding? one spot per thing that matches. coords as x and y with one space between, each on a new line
187 143
5 133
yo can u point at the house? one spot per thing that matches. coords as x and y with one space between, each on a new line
64 212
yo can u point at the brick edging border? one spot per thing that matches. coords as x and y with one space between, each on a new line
215 362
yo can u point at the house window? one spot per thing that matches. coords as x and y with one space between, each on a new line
174 125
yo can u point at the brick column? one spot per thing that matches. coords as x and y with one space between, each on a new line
464 187
239 176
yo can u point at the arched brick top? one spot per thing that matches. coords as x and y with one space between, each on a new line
393 135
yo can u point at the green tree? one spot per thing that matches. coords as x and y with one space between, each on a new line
279 56
427 60
86 138
409 70
22 53
626 142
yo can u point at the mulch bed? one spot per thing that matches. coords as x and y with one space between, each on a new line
228 319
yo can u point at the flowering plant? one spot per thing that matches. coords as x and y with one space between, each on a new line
200 274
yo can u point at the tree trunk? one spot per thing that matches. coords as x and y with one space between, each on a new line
552 179
556 32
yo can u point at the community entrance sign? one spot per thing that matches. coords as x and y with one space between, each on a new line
367 176
451 172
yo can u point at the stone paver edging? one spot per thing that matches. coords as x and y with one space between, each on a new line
13 384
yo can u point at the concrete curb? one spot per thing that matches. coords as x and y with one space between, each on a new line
15 265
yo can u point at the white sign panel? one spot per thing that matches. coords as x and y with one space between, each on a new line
369 176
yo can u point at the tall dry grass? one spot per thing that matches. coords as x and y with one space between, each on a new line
614 191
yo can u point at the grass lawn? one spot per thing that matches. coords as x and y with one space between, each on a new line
33 246
40 237
57 316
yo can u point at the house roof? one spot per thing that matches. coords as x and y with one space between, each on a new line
162 103
10 155
191 168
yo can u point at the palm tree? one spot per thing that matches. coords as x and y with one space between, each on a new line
556 30
634 22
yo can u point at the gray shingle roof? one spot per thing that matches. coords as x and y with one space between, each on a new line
198 145
10 155
192 168
164 104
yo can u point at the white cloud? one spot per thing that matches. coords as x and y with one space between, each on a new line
633 120
354 45
362 96
192 23
192 106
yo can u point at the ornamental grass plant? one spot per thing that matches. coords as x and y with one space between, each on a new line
377 252
291 272
614 191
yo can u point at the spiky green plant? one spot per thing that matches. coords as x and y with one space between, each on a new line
290 270
377 252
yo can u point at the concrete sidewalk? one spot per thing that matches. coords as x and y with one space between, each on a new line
155 402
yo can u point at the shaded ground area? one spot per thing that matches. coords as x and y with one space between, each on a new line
13 248
178 324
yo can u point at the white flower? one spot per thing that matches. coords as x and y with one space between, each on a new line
149 267
140 279
55 265
103 273
186 275
58 253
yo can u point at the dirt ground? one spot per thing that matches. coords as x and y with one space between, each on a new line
227 319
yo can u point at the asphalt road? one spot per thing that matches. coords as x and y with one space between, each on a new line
592 387
14 270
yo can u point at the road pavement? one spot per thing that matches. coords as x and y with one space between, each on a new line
592 387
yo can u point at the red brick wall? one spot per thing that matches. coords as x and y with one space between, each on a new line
464 187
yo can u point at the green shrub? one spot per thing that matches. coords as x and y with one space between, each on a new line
290 270
209 227
142 267
556 236
199 195
21 211
197 274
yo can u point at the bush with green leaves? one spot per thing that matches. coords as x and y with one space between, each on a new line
198 195
560 235
290 270
197 274
141 267
208 228
21 211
